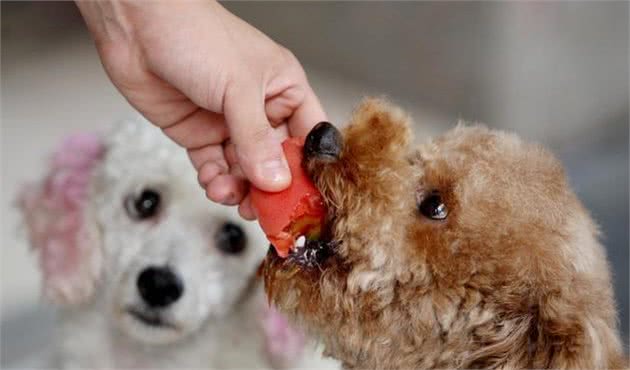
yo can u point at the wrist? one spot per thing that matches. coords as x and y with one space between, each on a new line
106 20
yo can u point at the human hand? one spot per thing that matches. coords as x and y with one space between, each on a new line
213 83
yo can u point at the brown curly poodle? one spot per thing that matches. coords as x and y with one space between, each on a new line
471 251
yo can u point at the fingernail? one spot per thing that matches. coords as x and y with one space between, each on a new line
275 172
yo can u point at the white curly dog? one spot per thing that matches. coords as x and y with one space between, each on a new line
145 271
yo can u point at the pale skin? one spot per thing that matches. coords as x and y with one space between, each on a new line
215 85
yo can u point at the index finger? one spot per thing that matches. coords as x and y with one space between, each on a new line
307 114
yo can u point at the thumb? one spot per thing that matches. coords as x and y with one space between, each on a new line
258 148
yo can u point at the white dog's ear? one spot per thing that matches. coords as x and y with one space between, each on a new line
58 222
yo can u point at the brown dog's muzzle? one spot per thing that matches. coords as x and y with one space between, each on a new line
322 146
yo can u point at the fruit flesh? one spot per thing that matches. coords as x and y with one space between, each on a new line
296 211
308 225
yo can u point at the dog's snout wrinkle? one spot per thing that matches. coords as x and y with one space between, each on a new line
324 143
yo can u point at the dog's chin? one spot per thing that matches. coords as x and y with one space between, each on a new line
303 265
149 327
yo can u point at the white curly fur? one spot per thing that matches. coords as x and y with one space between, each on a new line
217 322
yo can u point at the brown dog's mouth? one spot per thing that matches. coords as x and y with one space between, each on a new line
313 253
306 262
310 254
310 251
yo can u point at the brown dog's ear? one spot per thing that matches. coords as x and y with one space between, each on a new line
377 131
59 225
566 339
552 337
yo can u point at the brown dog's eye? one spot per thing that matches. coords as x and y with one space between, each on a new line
433 207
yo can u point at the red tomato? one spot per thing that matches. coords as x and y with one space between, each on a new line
297 210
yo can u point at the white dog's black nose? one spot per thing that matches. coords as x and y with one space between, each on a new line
159 286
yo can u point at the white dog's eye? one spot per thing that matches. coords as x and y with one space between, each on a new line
230 238
143 206
433 207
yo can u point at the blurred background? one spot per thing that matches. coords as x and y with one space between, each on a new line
554 72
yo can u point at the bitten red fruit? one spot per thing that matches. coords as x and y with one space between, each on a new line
298 210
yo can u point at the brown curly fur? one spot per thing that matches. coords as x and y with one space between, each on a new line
513 278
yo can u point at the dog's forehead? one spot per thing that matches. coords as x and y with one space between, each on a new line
459 146
477 164
475 150
137 148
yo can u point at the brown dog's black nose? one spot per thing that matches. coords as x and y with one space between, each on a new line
323 142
